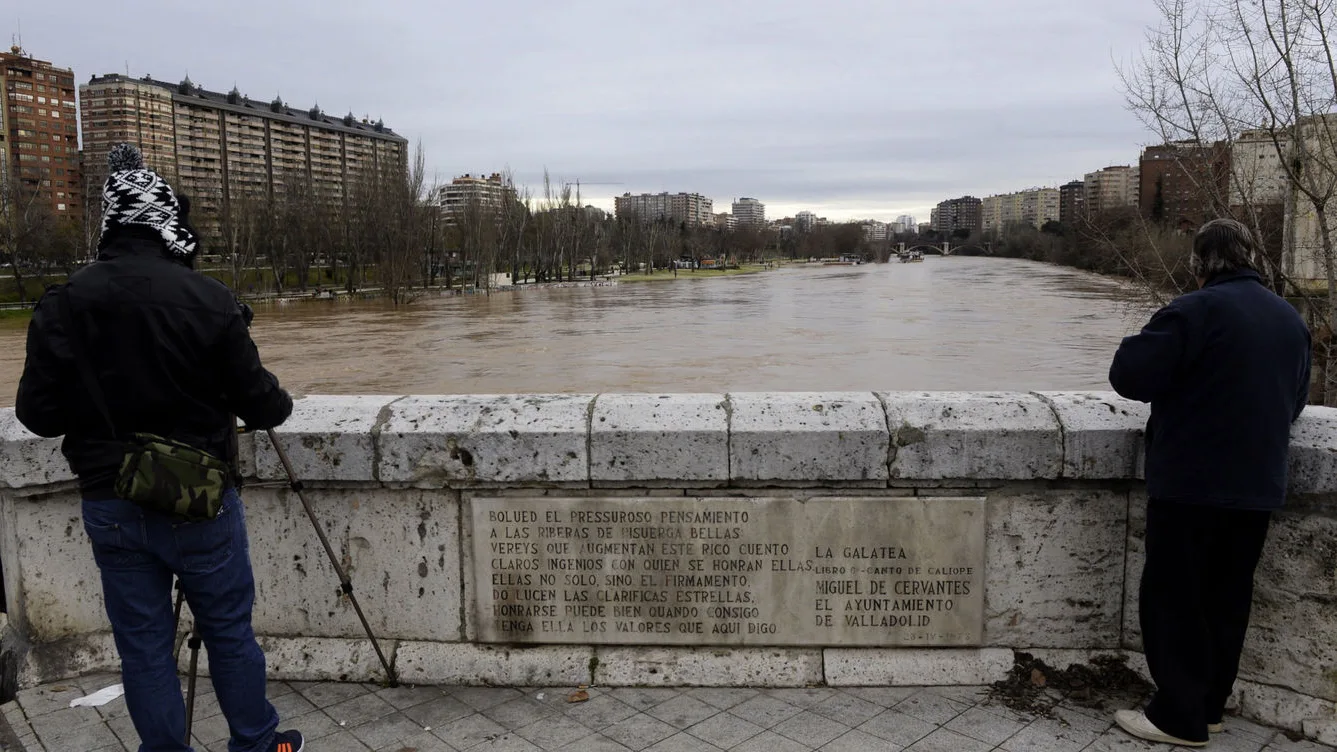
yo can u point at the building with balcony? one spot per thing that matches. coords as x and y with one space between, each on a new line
749 212
964 213
39 134
491 192
691 209
1033 207
1183 184
1110 188
222 149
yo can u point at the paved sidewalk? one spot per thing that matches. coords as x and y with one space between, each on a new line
360 717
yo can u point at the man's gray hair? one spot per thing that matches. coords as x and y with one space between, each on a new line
1221 246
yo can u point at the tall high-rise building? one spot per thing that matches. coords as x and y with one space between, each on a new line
1183 184
224 148
1071 201
965 213
906 223
39 137
804 221
1111 188
692 209
489 192
1033 207
749 212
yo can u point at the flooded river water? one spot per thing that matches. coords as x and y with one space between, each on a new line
947 323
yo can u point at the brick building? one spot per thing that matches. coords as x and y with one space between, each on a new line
39 134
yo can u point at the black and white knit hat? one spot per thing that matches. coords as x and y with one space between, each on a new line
137 196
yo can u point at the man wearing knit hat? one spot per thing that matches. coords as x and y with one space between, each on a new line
169 352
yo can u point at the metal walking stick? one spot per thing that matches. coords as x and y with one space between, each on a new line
345 586
194 643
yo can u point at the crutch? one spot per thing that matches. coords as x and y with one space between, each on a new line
345 586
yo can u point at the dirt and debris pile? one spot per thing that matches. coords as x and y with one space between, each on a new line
1105 684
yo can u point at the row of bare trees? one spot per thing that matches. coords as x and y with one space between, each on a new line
36 246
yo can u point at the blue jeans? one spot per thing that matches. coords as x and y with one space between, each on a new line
138 553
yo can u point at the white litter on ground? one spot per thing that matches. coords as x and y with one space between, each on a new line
100 697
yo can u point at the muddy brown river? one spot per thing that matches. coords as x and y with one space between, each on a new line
947 323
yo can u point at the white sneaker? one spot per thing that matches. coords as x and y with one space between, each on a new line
1216 728
1136 723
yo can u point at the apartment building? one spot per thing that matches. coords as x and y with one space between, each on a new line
965 213
690 208
749 212
1110 188
492 192
1183 184
1033 207
875 231
39 138
725 221
804 221
225 150
1071 202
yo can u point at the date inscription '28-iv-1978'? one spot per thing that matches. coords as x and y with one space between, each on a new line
729 570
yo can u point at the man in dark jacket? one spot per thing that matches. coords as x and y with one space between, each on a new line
171 352
1226 370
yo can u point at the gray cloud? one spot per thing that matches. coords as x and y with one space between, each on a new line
853 107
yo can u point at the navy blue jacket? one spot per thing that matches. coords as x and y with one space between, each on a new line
1226 370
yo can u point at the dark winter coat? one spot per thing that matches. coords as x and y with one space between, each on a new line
169 348
1226 370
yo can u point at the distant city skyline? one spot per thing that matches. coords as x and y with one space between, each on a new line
606 91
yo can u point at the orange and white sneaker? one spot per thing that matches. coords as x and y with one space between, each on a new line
287 741
1136 723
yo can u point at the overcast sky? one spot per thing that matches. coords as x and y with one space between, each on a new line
850 108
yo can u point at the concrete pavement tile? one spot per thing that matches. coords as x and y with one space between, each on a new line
769 741
359 710
124 729
210 729
595 743
277 689
482 698
1283 744
934 708
810 728
292 704
897 727
857 741
723 697
683 711
29 743
599 712
644 698
48 698
1228 742
85 736
639 731
423 741
343 741
313 725
801 698
1242 727
438 712
765 711
507 743
553 731
1117 740
327 694
466 732
386 730
946 740
521 711
1050 735
978 723
406 697
967 694
683 742
887 697
725 730
847 709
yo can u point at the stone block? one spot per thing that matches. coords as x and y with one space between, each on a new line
494 665
807 438
676 438
54 583
468 440
915 667
326 439
1102 433
1283 707
69 658
399 548
973 435
1135 555
1055 569
1292 638
1313 456
708 667
313 659
28 460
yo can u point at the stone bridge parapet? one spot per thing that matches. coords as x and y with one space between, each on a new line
399 481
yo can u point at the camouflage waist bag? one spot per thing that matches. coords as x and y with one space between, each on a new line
172 478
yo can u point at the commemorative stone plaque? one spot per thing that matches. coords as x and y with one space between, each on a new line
729 571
